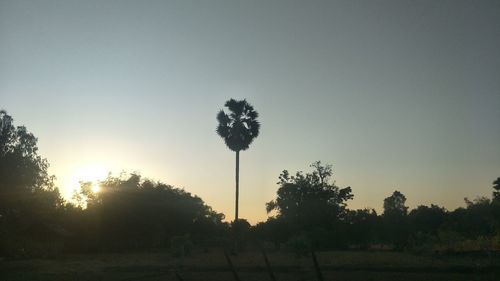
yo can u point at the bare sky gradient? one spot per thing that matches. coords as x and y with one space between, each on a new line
395 94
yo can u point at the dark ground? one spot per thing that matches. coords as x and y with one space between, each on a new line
211 265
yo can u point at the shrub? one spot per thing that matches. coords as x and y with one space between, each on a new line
421 243
181 246
300 245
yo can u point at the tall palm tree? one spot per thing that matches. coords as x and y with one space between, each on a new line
238 129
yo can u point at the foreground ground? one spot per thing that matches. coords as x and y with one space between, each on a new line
250 266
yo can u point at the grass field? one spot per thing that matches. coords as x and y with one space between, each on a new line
211 265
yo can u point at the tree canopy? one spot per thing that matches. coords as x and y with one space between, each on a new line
240 126
394 205
496 187
129 210
29 201
310 199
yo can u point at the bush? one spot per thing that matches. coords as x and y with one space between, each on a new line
181 246
27 247
300 245
421 243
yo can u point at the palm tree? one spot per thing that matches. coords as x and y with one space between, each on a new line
238 129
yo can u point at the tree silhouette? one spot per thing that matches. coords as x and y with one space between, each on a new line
29 200
427 219
310 204
310 199
496 187
395 221
132 212
395 204
238 129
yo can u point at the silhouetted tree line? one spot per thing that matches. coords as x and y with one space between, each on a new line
311 212
129 212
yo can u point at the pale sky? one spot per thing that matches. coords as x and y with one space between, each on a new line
394 94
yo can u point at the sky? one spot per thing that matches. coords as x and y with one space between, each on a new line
396 95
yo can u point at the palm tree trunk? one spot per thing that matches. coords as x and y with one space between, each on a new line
235 223
237 184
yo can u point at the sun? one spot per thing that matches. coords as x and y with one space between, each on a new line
95 187
88 173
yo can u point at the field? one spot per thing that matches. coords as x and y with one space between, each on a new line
212 265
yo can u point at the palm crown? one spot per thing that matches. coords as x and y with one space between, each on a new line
240 126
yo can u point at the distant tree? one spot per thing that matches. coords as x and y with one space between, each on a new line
427 219
310 200
274 230
238 128
361 227
496 206
243 232
476 220
394 218
395 204
496 187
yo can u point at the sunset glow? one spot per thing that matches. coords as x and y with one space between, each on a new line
393 98
88 173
